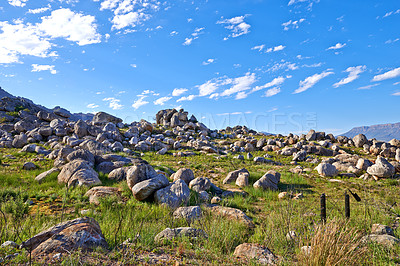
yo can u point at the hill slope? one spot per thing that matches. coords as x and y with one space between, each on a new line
384 132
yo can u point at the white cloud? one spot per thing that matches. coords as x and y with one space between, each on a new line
194 36
139 102
392 41
188 41
236 25
273 109
276 48
391 13
208 61
311 81
187 98
162 100
121 21
241 95
396 93
173 33
235 113
275 82
272 92
283 65
207 88
133 65
178 92
113 103
241 84
18 3
337 46
292 24
396 83
368 87
38 68
39 10
258 47
92 105
388 75
313 65
354 73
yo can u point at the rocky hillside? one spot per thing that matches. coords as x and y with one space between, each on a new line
100 191
383 132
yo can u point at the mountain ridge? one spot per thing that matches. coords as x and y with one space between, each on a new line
383 132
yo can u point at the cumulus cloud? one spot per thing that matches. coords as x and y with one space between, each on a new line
162 100
311 81
208 61
187 98
283 65
113 103
129 13
240 84
292 24
193 36
207 88
276 48
139 102
18 3
236 25
388 75
337 46
354 73
92 105
272 92
38 68
178 92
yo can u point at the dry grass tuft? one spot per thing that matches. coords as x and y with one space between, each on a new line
333 243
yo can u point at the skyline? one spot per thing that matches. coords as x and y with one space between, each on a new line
279 66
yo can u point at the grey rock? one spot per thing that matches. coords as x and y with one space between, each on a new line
118 174
43 176
20 141
360 140
385 240
102 117
184 174
327 169
269 180
78 172
232 176
242 179
190 213
146 188
80 129
138 173
83 155
257 252
363 164
189 232
381 169
300 156
174 195
29 166
200 184
9 244
311 135
398 155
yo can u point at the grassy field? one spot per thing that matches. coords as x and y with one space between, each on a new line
28 207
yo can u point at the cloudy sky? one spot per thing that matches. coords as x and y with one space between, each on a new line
278 66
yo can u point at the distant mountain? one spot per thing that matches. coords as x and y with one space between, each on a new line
384 132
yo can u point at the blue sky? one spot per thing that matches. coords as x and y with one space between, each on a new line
276 66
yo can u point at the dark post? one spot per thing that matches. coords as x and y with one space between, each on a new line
347 205
323 208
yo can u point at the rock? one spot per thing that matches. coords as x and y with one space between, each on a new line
163 151
170 234
291 235
61 112
232 213
118 174
283 195
78 172
102 117
139 173
200 184
398 155
395 143
257 252
311 135
269 180
385 240
188 213
80 129
363 164
326 169
306 250
242 179
81 233
20 141
232 176
184 174
29 166
96 193
40 178
82 155
360 140
215 200
9 244
146 188
380 229
300 156
174 195
381 169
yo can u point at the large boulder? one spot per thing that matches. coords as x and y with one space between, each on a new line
360 140
41 177
118 174
311 135
138 173
102 117
81 128
185 174
363 164
146 188
200 184
20 141
174 195
398 155
81 233
381 169
190 213
82 155
327 169
232 176
269 180
255 252
78 172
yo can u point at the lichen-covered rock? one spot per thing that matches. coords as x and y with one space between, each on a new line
96 193
81 233
257 252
